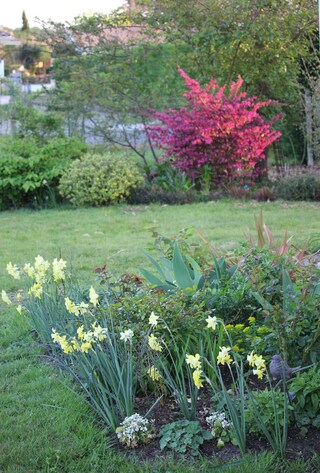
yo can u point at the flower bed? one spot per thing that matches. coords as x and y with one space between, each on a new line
191 350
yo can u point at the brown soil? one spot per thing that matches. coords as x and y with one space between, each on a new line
167 411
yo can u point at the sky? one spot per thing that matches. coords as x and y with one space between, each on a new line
56 10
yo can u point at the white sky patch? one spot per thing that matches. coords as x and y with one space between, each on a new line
56 10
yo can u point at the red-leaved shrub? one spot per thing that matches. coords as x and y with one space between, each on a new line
224 132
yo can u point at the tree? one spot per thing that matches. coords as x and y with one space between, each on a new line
25 22
107 84
263 41
225 133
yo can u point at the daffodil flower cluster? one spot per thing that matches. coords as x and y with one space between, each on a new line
224 356
84 340
194 362
75 309
258 363
135 429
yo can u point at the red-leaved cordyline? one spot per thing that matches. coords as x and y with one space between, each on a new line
226 133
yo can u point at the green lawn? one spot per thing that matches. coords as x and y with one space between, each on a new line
44 427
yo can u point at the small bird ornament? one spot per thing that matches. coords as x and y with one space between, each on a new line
279 368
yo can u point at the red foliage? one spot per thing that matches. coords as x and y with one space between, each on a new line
224 132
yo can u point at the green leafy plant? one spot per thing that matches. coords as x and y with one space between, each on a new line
183 272
99 180
183 437
30 171
305 389
220 428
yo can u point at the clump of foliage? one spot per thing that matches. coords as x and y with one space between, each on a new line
183 437
269 403
305 388
224 133
99 180
220 428
30 170
302 187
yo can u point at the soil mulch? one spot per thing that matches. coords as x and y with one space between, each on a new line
167 411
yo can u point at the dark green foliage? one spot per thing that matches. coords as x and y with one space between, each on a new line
30 171
305 387
302 187
183 437
25 22
268 404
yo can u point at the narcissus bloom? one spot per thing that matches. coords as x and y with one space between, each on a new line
94 298
196 375
193 361
153 373
127 335
153 319
212 322
223 356
154 344
36 290
58 269
13 270
5 297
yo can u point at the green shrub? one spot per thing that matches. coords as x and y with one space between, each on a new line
99 180
270 404
302 187
305 388
30 172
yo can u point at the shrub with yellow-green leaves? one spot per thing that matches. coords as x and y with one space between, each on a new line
100 180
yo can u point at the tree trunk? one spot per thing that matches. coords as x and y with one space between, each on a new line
308 111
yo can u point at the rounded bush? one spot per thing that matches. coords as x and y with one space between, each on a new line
99 180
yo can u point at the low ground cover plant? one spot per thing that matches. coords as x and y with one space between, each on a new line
172 338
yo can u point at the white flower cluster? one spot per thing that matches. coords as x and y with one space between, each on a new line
221 428
218 417
134 429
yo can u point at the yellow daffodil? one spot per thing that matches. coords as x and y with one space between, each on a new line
223 356
99 332
82 308
71 306
212 322
13 270
93 296
153 343
5 297
41 265
36 290
29 270
153 373
19 309
193 361
153 319
196 375
85 347
57 269
257 362
80 332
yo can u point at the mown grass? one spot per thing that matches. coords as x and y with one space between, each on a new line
44 426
